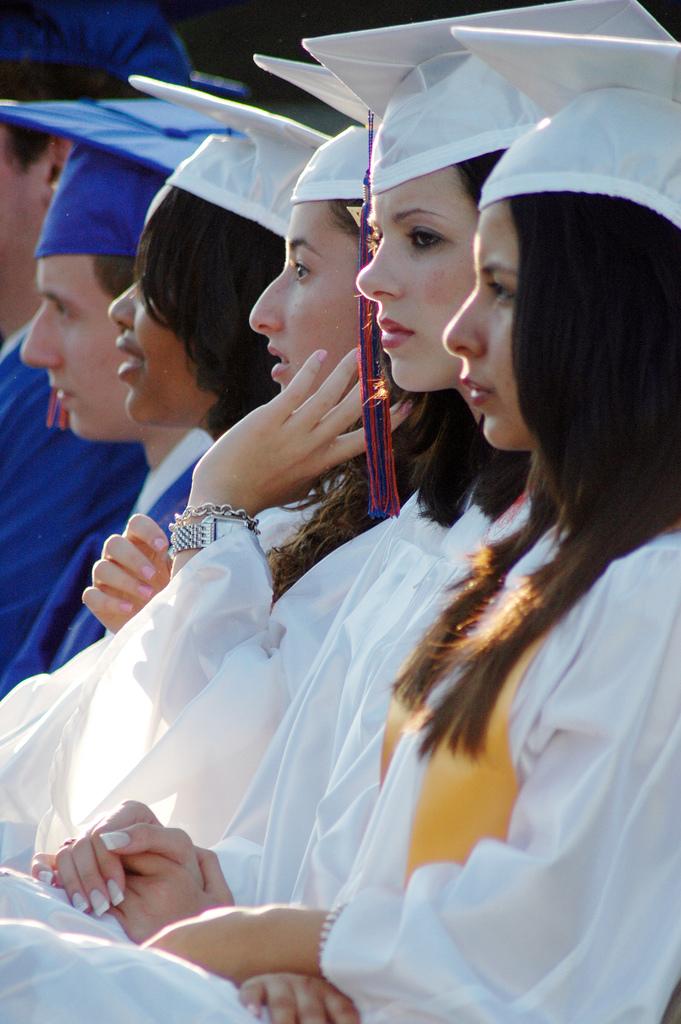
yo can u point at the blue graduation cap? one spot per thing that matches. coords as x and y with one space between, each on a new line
128 36
123 151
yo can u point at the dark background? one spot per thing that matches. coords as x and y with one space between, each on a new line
222 43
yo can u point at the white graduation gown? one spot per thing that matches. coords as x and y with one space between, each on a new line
573 918
343 813
182 702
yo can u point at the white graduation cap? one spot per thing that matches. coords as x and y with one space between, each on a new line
254 174
438 104
616 124
336 170
318 81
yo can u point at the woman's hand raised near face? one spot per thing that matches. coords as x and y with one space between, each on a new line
133 568
275 454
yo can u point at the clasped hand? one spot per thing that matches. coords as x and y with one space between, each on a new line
147 875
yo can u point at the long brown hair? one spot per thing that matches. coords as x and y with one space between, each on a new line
606 473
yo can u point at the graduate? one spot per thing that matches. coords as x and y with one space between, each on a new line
56 50
275 158
333 514
85 257
189 356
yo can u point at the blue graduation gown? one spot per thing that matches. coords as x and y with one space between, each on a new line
58 634
55 491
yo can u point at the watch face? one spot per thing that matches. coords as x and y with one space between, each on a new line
222 526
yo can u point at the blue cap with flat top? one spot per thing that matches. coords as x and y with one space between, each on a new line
123 151
135 37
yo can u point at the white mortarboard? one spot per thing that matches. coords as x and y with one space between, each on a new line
318 81
337 169
616 106
440 106
253 175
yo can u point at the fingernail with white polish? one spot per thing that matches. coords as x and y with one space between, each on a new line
115 893
46 877
100 904
79 902
115 840
253 1009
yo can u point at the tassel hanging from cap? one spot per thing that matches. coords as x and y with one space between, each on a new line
57 416
384 500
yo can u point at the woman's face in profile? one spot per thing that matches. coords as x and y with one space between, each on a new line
421 273
481 332
312 304
160 377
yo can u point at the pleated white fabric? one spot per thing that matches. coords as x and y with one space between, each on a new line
299 826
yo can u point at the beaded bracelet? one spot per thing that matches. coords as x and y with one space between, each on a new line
219 511
327 925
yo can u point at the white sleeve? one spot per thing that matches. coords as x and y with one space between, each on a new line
193 690
575 917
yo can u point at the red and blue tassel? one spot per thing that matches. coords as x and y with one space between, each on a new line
384 500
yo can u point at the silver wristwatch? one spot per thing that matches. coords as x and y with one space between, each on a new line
192 536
